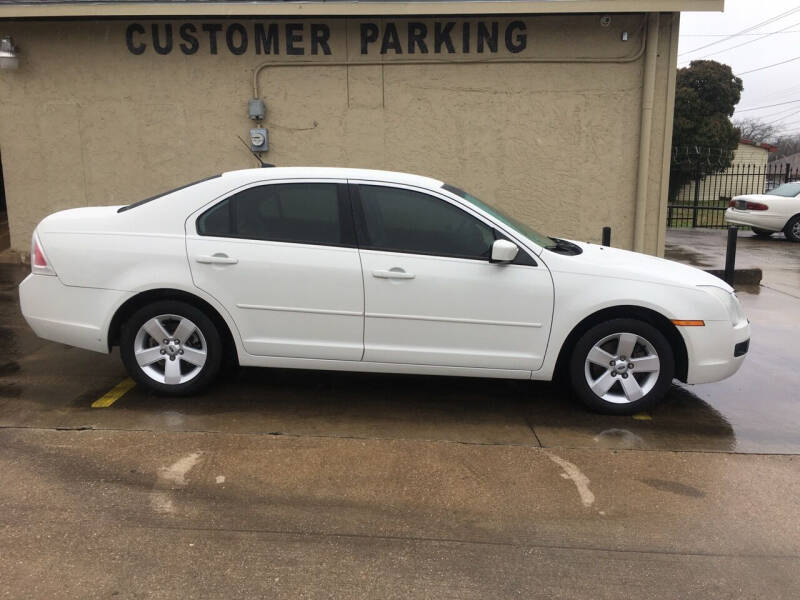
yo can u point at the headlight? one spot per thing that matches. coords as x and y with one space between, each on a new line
729 301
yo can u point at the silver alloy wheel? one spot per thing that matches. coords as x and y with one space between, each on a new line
796 229
622 368
170 349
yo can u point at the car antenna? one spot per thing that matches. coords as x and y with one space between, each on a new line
255 154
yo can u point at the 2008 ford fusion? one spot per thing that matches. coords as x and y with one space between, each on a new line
357 270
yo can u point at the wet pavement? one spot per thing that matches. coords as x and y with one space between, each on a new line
777 257
284 483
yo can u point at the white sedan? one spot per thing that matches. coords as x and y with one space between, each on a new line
356 270
778 210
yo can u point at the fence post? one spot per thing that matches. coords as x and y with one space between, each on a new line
788 173
696 197
606 236
730 253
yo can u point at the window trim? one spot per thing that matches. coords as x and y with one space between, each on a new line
523 256
345 213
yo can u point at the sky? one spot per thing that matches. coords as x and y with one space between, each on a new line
767 32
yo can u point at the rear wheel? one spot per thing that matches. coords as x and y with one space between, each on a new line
762 232
171 348
792 229
621 366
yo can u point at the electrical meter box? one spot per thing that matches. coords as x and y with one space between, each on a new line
259 139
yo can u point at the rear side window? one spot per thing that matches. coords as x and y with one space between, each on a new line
310 213
403 220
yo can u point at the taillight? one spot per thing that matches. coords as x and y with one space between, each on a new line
732 204
39 264
755 206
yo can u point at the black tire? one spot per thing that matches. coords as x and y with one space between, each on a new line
655 383
792 229
204 338
763 233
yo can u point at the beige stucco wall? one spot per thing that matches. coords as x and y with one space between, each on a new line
85 122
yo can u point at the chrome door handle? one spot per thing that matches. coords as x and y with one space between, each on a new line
218 258
393 273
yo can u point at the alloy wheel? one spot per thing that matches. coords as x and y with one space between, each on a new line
622 368
170 349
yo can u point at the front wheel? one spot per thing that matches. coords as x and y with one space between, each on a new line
621 366
171 348
764 233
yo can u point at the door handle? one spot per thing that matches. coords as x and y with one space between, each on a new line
393 273
218 258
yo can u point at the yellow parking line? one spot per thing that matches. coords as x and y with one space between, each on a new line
114 394
642 417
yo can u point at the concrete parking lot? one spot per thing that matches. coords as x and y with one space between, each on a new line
295 484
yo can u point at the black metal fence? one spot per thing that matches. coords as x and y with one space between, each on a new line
702 200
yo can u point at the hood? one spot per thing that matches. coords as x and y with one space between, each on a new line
623 264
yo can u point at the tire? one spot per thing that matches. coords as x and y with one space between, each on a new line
591 362
792 229
180 367
762 233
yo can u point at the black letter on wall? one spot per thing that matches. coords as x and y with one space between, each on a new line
213 29
369 35
416 36
230 38
190 44
441 35
485 36
521 41
391 40
134 48
167 48
293 36
268 40
320 34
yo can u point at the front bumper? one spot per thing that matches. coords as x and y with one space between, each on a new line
76 316
715 351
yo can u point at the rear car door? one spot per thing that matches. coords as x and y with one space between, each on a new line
281 257
431 295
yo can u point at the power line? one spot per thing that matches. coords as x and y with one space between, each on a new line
738 110
775 114
747 30
783 62
797 112
765 35
734 34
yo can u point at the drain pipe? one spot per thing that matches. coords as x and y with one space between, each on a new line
646 127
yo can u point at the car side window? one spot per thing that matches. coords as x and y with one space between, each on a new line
309 213
402 220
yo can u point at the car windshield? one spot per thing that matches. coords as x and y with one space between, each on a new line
522 228
788 190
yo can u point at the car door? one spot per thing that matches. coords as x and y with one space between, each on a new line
432 296
281 257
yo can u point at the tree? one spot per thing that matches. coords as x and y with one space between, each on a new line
756 131
787 145
703 137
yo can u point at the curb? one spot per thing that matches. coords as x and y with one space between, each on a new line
740 276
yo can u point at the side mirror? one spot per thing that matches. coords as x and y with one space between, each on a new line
503 251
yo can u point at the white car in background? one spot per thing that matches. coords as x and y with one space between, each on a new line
360 270
777 210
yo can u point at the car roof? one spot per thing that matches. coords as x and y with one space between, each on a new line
263 174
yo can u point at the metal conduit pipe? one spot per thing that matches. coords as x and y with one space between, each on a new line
646 128
357 63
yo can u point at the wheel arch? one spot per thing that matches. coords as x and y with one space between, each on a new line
134 303
648 315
